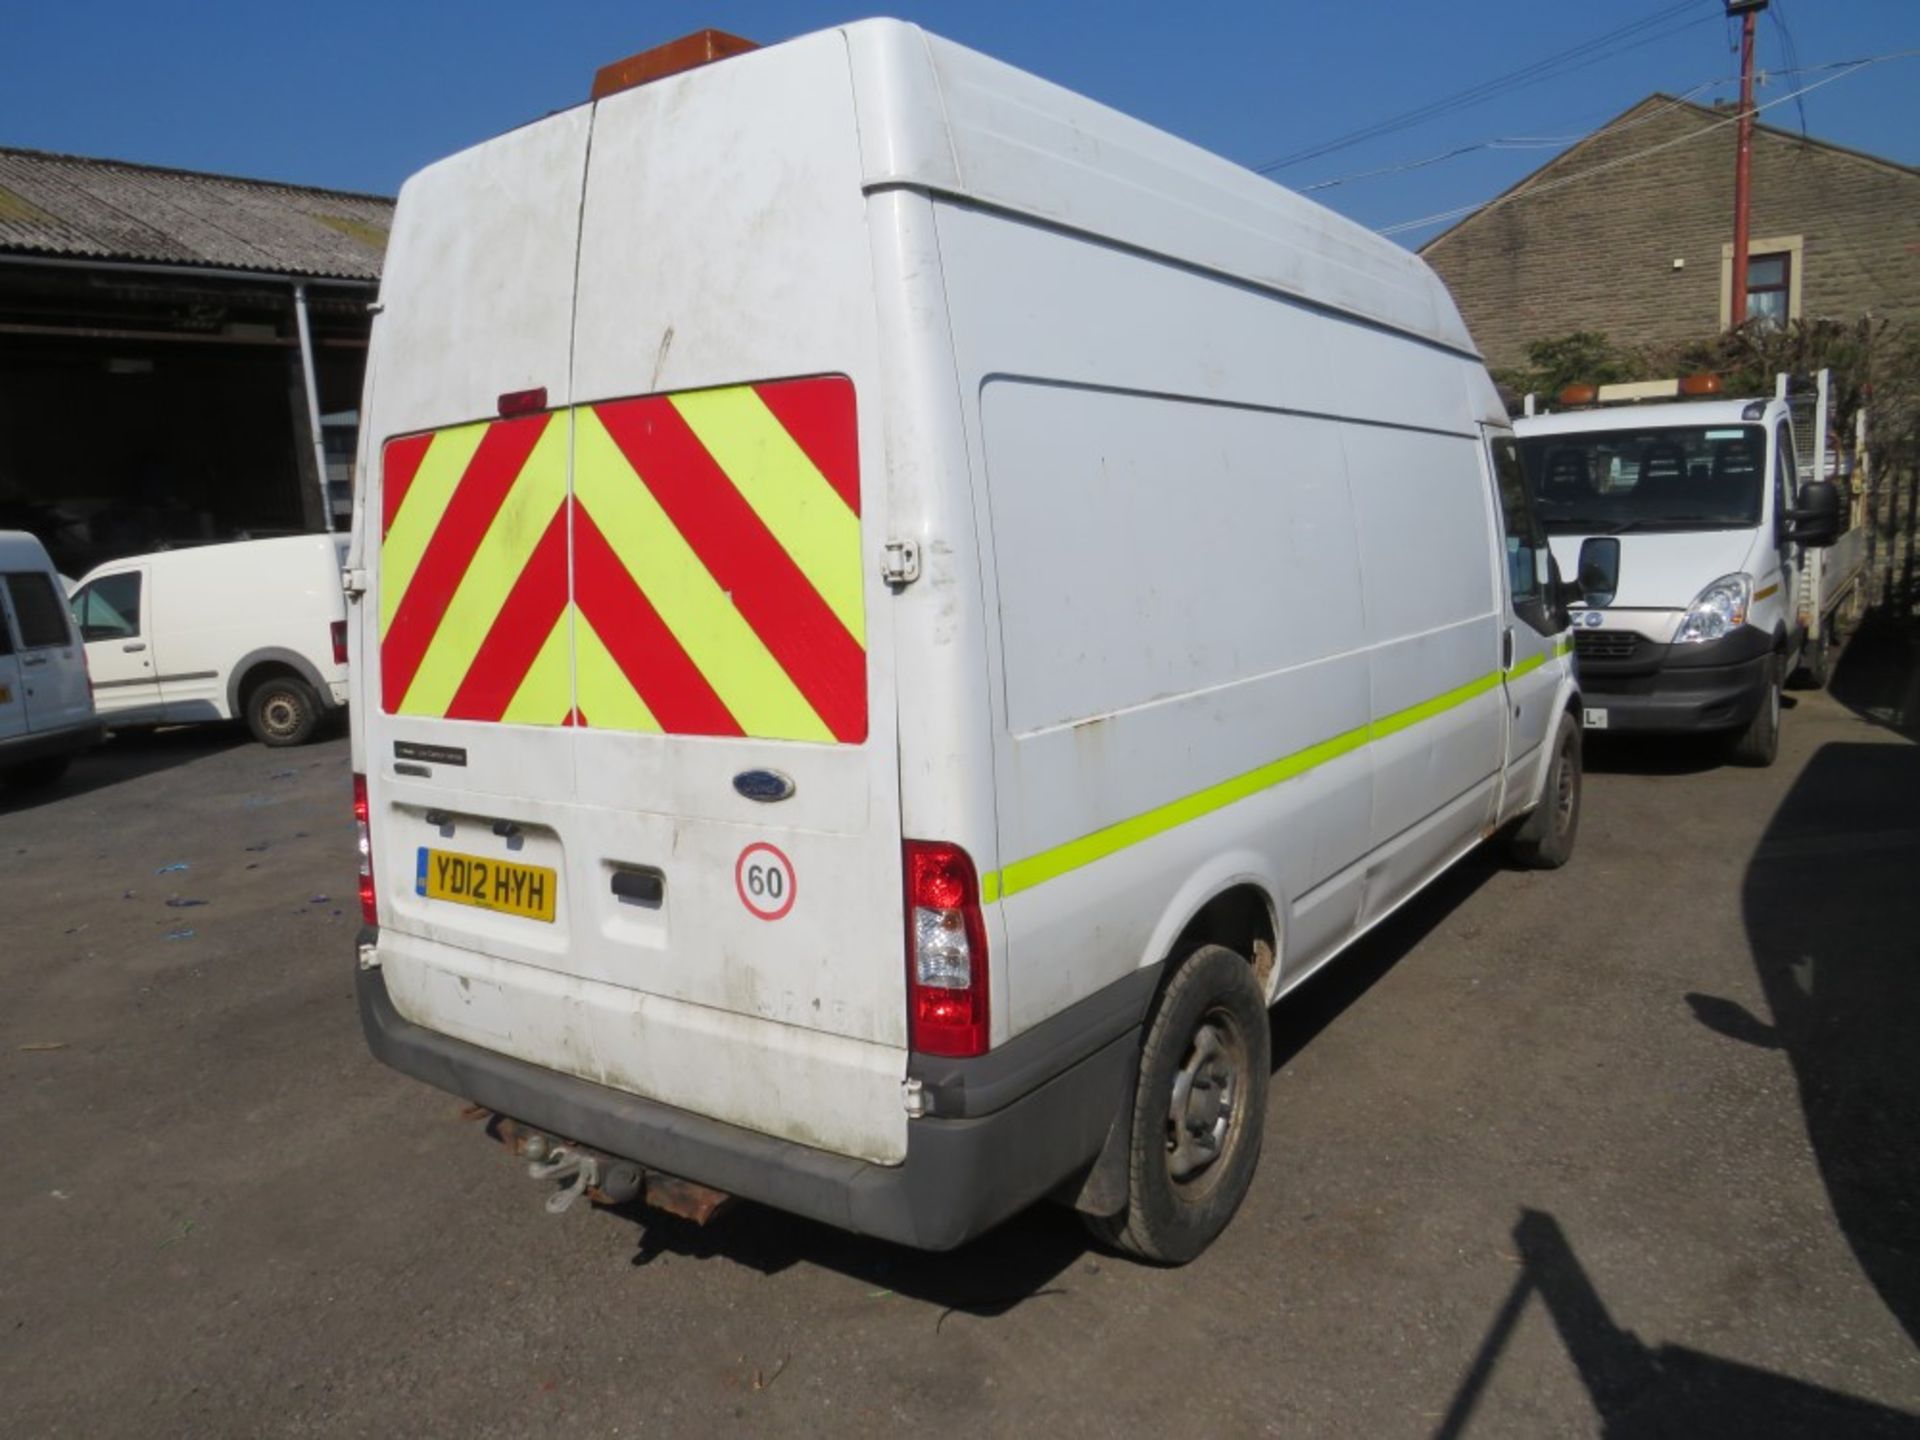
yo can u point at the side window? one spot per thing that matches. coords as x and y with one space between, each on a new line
1529 562
109 608
38 610
6 632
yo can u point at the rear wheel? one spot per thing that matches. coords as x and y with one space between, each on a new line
282 710
37 774
1198 1111
1760 741
1545 838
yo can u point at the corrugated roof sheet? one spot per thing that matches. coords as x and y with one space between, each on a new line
69 205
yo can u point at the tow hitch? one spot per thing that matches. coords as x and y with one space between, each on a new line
603 1179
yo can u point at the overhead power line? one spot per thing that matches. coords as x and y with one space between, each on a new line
1852 67
1505 142
1660 25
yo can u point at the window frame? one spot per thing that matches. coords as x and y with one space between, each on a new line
1769 247
1536 607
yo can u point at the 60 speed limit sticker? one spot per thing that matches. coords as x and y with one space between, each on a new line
764 878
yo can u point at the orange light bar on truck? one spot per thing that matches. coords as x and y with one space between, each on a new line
1705 384
689 52
1578 395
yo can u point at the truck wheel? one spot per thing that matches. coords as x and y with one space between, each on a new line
1545 838
36 774
1198 1111
1760 741
282 710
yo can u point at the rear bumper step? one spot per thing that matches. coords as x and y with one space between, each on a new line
961 1176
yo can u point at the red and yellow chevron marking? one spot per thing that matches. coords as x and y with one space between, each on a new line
713 542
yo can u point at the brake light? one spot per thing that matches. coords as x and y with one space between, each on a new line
522 402
946 952
362 823
339 632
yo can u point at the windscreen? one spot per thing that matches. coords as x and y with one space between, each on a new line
1687 477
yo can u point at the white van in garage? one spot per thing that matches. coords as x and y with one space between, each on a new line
46 706
252 630
895 611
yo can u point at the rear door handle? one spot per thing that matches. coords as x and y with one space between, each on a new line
134 646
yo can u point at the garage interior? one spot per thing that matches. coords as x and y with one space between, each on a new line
160 384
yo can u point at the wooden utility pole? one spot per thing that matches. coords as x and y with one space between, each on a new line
1749 13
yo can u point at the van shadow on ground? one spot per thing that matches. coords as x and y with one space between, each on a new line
1832 913
1039 1254
1642 1391
127 755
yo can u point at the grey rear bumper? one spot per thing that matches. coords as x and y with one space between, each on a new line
964 1171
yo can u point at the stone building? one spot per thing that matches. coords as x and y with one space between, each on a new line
1630 232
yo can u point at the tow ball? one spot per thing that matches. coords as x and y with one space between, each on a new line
603 1179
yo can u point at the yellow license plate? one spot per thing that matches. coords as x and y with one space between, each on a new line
531 891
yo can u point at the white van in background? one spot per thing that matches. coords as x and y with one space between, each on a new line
46 706
1688 525
896 610
255 629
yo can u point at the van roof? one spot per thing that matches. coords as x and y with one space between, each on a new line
936 116
1636 417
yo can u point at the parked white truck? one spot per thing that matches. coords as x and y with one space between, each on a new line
1695 539
896 611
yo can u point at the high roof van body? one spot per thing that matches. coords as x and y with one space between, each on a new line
895 610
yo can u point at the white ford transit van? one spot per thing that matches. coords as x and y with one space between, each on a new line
254 630
895 611
1689 527
46 705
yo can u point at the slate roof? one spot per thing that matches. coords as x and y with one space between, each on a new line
81 208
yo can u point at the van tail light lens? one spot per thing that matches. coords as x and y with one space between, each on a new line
362 824
946 952
339 631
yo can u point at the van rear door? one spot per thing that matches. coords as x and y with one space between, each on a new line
629 652
53 669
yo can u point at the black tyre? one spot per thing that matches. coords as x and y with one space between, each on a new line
282 710
36 774
1198 1111
1816 661
1545 838
1759 743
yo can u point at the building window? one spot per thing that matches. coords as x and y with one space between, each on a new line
1776 266
1770 287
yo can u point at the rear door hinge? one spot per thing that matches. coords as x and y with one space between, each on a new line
900 562
354 581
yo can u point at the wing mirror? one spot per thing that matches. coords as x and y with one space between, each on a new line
1598 578
1815 521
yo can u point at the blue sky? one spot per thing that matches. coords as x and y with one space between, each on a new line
356 95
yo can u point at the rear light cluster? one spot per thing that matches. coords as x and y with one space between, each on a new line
362 824
946 952
339 632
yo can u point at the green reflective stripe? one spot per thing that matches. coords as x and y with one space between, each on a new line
1049 864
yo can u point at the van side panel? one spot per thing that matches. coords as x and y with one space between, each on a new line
1180 577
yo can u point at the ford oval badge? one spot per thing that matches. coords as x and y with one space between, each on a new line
766 786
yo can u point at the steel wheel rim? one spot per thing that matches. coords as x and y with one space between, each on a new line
1564 789
1204 1112
280 714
